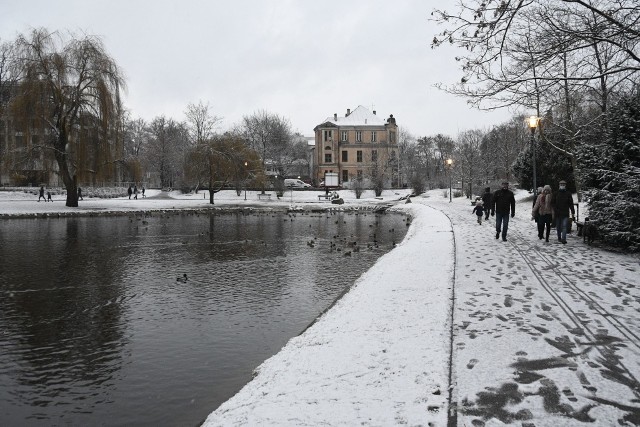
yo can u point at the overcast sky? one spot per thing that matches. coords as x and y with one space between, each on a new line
303 60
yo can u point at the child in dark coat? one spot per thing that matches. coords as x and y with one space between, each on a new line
478 210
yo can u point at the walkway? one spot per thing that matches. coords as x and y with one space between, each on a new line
544 334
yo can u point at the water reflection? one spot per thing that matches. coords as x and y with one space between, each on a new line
97 328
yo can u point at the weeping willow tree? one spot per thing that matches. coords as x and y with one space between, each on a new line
68 83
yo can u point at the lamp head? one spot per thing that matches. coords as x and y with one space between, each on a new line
532 121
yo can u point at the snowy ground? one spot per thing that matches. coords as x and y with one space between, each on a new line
543 334
25 203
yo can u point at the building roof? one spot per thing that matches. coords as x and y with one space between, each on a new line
361 116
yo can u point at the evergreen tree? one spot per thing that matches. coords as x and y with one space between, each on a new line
552 167
612 176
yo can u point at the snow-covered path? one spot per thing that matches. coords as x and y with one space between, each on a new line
546 334
378 357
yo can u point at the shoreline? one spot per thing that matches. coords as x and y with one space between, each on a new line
93 212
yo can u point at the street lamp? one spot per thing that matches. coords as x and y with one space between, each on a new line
245 180
449 164
533 124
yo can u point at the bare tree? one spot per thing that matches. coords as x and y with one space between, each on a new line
222 160
501 146
270 135
515 50
200 122
168 143
469 157
406 140
8 79
69 82
136 139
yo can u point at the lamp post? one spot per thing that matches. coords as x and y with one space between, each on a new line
245 180
449 164
533 124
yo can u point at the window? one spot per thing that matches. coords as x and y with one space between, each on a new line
374 155
374 136
327 158
359 156
344 136
328 147
392 137
328 135
345 156
358 136
345 176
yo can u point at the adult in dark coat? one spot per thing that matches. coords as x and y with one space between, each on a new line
562 203
502 204
486 202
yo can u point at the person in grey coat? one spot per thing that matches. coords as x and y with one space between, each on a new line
543 211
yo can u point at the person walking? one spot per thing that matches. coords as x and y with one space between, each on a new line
486 202
42 194
543 213
80 194
478 210
502 203
129 192
135 192
537 194
562 203
143 196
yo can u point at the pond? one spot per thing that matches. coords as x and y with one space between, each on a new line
156 320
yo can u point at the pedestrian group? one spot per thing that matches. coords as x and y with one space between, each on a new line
549 209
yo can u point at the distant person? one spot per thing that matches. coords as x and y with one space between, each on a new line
42 194
48 197
135 192
562 203
129 192
478 209
143 196
486 202
80 194
537 194
543 211
502 203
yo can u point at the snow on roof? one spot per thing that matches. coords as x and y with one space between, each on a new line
361 116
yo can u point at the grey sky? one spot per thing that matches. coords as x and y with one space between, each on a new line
303 60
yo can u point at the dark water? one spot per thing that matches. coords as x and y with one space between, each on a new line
95 328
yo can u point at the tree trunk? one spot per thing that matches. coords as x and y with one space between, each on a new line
69 182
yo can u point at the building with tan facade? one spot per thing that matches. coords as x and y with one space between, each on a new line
359 144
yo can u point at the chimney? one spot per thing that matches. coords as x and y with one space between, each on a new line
335 116
374 112
348 112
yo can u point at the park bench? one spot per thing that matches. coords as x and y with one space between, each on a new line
324 197
264 196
